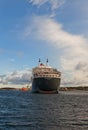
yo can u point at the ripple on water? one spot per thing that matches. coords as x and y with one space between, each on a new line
24 110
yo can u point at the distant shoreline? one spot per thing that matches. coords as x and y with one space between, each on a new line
60 89
74 88
8 88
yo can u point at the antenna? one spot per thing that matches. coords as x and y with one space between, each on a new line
47 62
39 61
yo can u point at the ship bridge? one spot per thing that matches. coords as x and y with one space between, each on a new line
45 71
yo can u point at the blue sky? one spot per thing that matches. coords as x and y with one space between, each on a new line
53 29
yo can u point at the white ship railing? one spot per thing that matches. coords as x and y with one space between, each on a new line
47 75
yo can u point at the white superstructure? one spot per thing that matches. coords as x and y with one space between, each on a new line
45 71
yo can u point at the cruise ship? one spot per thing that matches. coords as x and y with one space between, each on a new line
45 79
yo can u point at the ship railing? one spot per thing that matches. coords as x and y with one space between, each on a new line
47 75
43 70
46 72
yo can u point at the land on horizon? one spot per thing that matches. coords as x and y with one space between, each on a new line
60 89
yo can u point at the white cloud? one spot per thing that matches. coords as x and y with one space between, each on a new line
74 47
54 3
17 77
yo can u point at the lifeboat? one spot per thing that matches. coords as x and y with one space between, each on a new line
24 89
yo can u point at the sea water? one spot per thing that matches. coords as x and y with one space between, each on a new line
27 111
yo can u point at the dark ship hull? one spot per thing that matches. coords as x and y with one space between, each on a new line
45 85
